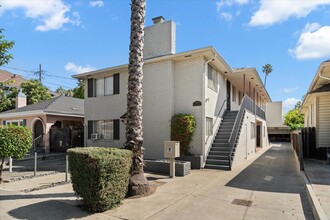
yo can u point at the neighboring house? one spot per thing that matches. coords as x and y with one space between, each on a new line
13 80
316 105
56 123
277 131
198 82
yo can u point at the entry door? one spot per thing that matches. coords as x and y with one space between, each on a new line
228 95
258 135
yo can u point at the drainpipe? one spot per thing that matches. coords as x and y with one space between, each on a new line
204 107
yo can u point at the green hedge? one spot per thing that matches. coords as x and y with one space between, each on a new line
100 175
182 129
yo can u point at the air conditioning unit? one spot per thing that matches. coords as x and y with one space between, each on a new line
95 136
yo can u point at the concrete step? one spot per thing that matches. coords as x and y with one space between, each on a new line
220 145
216 167
222 140
217 157
218 153
220 149
218 162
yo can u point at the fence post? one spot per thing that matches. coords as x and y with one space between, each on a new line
300 149
66 168
35 163
10 164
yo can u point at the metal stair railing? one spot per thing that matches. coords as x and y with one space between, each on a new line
215 133
247 104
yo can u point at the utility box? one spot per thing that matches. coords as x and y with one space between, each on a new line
171 149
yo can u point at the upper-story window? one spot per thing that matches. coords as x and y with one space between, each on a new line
103 86
234 93
212 78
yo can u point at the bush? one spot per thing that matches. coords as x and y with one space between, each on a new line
100 175
15 142
182 129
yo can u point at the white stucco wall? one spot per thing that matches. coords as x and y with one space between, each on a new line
188 79
274 114
246 146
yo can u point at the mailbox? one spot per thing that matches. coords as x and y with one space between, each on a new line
171 149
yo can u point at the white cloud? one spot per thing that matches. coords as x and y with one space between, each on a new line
289 90
274 11
314 42
289 103
227 16
78 69
50 14
228 3
97 3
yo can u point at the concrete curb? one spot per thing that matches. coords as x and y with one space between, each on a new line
314 203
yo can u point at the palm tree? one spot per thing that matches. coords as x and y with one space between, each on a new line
134 140
267 68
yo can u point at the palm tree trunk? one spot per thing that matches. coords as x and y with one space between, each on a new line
134 140
265 81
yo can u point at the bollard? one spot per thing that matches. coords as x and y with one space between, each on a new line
10 164
66 168
35 163
172 167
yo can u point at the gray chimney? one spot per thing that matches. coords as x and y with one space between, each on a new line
159 38
158 20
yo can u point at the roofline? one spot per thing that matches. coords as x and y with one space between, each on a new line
38 112
17 114
160 58
257 75
314 81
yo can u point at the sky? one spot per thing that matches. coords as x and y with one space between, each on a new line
74 36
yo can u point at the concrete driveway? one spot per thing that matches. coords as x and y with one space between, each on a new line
267 186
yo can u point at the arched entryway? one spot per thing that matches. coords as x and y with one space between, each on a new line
38 132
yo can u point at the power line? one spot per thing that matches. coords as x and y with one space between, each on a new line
20 69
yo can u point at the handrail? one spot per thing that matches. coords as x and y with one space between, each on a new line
247 104
34 141
224 101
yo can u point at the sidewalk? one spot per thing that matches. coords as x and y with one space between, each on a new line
267 186
318 176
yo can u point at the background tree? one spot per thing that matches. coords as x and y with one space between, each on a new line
79 91
8 98
134 140
5 46
35 92
294 119
267 68
15 142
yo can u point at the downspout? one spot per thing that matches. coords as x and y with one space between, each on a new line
204 107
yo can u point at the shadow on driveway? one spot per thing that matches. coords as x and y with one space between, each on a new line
51 209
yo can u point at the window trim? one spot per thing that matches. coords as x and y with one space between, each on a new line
209 126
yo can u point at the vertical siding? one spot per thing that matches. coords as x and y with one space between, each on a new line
324 121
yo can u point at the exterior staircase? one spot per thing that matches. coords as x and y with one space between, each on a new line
218 157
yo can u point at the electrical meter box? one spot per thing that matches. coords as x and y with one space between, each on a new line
171 149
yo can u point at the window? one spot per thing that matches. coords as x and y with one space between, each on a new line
212 78
253 130
108 86
103 86
312 114
209 126
100 87
234 94
107 129
20 122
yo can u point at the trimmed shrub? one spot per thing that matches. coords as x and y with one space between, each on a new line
15 142
100 175
182 129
